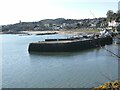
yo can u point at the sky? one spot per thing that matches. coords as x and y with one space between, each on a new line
12 11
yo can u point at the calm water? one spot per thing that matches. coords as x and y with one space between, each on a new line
54 70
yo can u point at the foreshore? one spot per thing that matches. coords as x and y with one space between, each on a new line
70 31
39 32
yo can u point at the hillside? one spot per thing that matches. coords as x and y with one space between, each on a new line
53 24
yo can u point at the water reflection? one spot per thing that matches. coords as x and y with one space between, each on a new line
64 53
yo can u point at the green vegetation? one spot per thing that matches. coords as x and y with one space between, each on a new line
113 16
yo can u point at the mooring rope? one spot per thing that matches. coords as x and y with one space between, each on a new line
110 51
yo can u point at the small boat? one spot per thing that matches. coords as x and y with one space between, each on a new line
69 44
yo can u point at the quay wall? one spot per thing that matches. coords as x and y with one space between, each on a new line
70 46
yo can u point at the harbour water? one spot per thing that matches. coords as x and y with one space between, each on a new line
84 69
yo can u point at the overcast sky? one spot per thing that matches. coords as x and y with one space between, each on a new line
34 10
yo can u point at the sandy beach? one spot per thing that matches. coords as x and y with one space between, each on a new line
38 32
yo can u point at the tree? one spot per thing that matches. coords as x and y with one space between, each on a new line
50 24
104 23
110 13
78 25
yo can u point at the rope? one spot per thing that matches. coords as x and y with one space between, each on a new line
109 51
112 53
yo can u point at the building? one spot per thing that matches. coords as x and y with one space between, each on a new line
119 5
112 24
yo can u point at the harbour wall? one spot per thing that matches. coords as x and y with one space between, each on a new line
70 46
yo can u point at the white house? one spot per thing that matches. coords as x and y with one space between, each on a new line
112 24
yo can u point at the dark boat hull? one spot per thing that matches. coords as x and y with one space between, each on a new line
71 46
